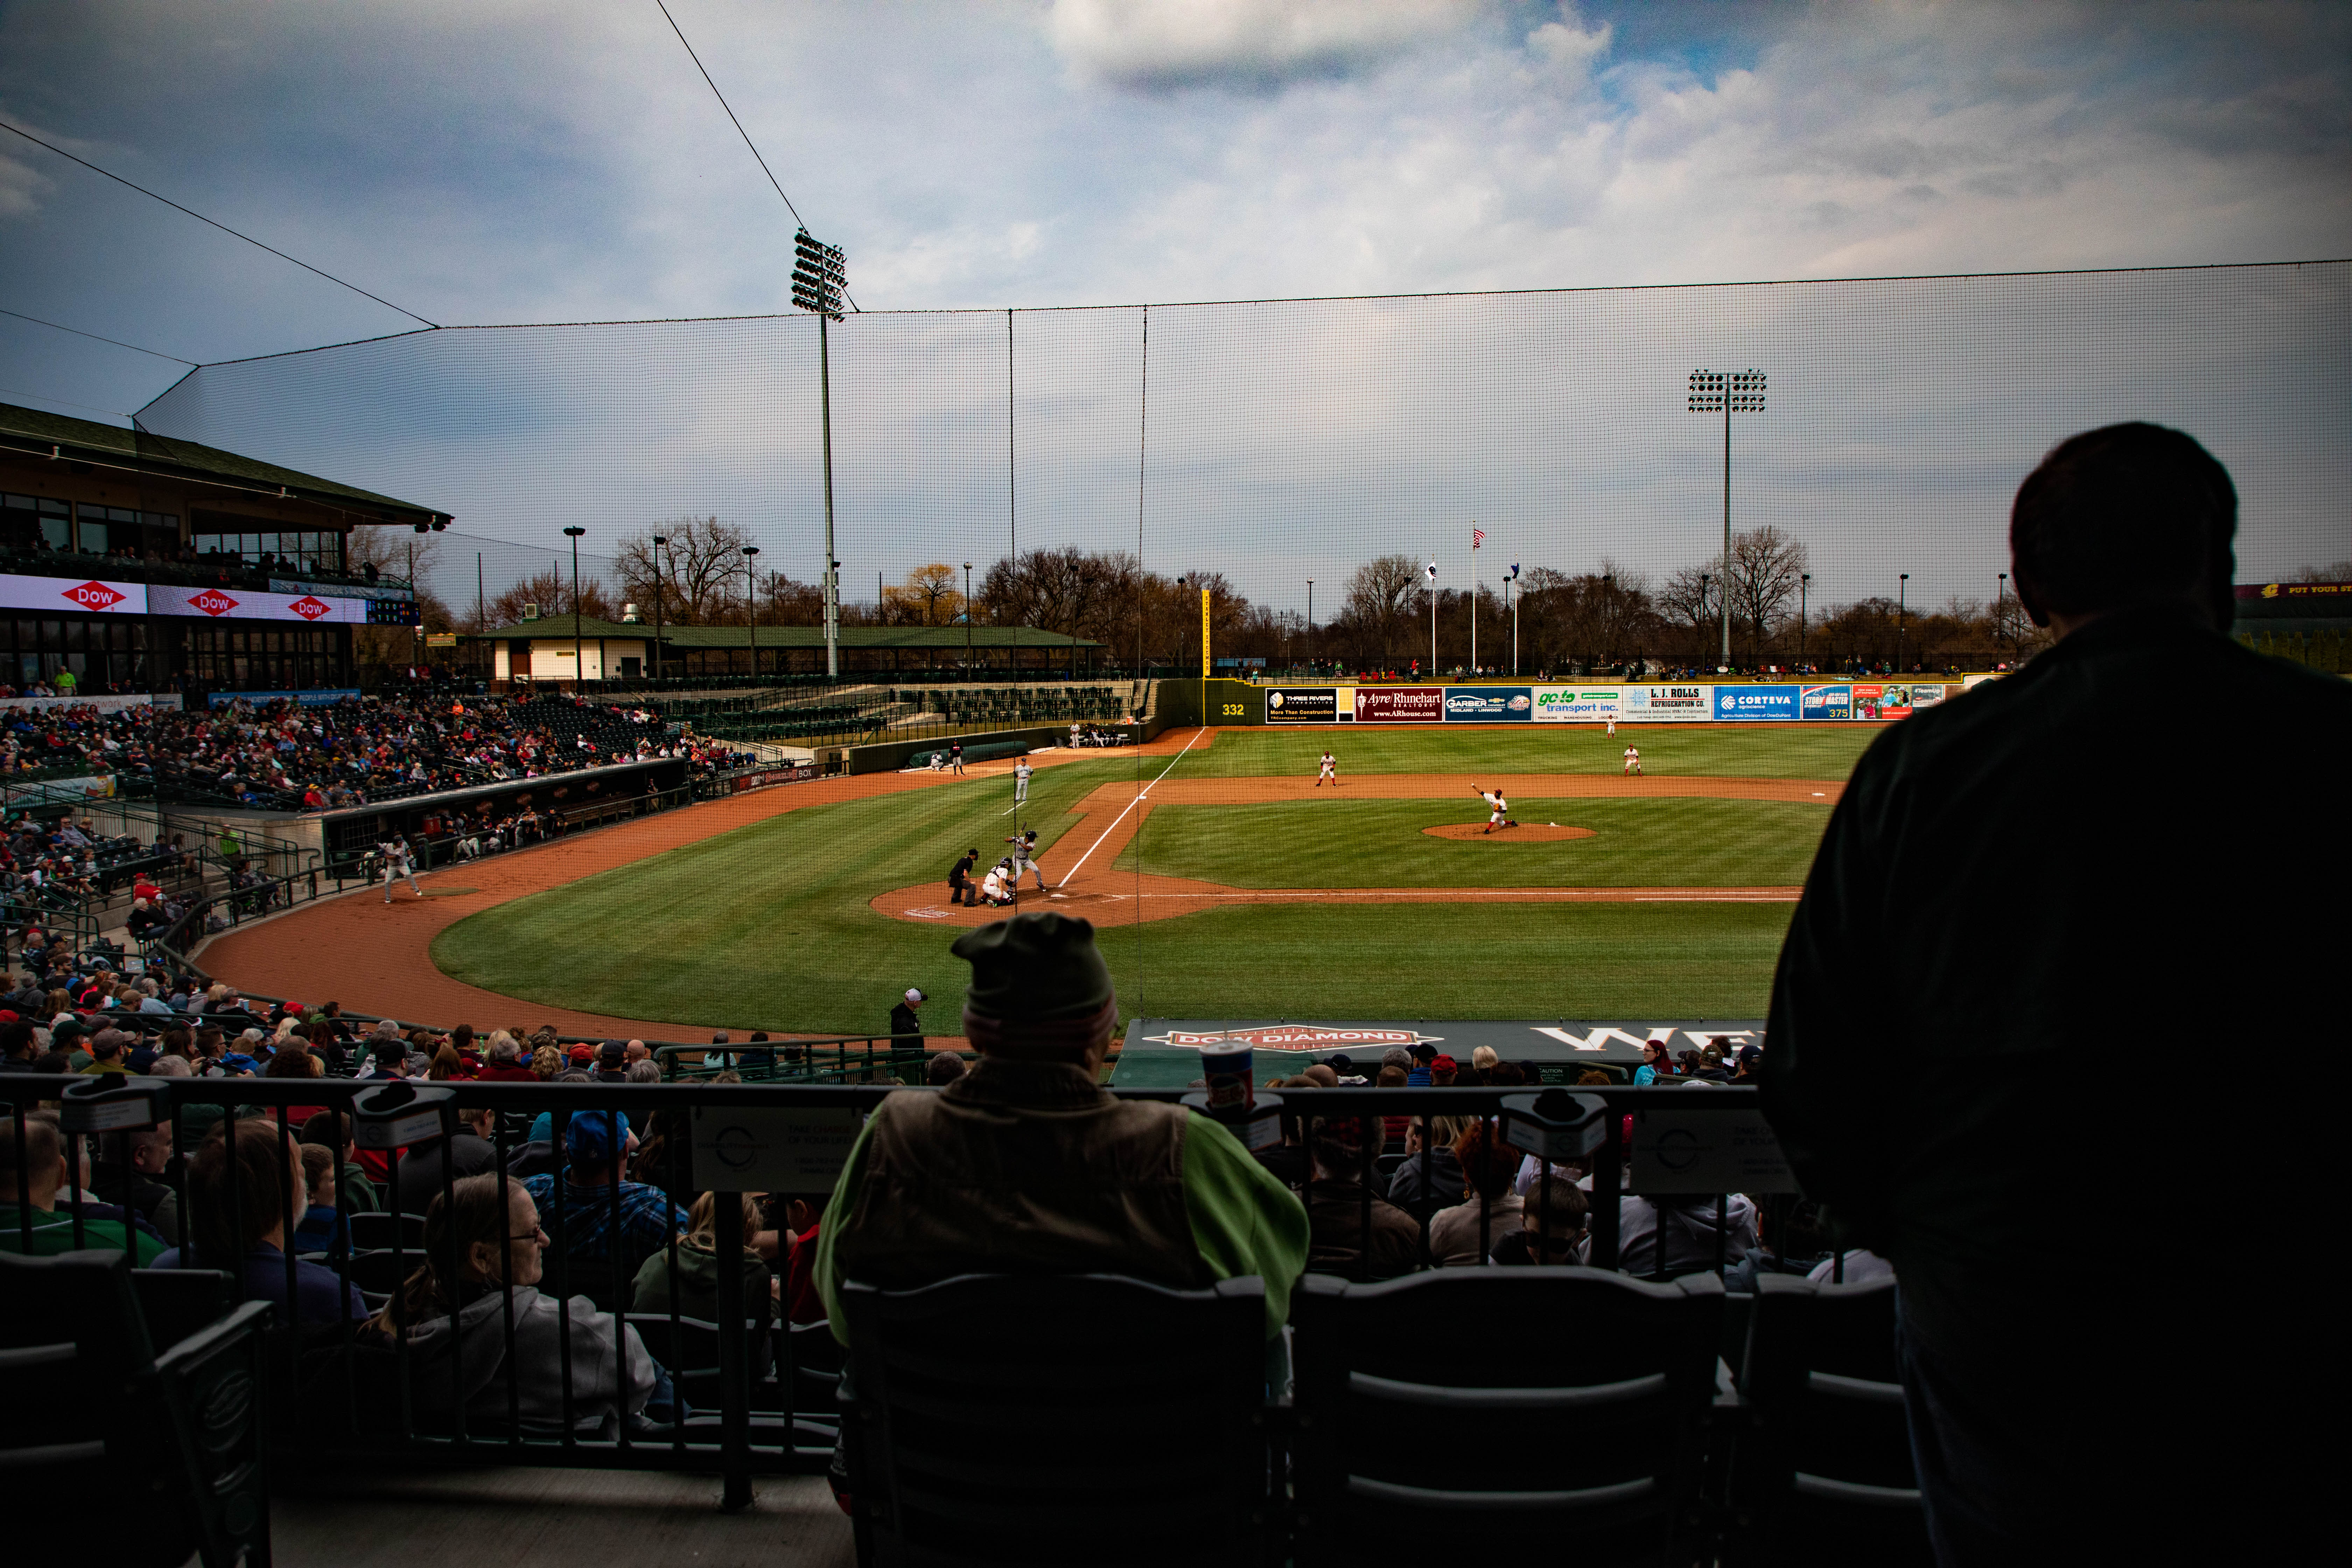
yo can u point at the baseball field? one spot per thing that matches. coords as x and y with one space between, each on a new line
1227 882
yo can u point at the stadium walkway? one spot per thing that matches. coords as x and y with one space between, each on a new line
377 958
532 1518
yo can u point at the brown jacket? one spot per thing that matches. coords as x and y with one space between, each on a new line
1335 1214
1023 1167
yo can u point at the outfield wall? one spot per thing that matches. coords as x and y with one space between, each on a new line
1649 703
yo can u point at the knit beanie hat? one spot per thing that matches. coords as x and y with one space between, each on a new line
1034 967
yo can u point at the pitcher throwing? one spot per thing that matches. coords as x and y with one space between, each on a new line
1498 810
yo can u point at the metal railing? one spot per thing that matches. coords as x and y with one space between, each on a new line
361 1390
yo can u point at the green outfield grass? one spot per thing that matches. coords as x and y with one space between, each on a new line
1723 751
1380 844
769 926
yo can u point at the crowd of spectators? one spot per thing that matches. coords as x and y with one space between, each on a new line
284 756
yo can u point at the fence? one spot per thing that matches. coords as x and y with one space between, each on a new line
352 1385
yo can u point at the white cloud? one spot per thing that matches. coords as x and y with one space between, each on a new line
1156 45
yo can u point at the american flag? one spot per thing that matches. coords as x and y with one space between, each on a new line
1477 537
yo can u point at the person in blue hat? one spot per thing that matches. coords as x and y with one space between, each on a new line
596 1147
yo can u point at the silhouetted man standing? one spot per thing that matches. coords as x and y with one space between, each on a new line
2043 918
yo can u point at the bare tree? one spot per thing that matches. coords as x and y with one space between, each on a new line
929 598
1379 599
1766 567
550 590
701 578
1692 597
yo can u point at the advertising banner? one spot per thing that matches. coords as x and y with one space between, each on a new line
1489 704
1825 702
1165 1053
1925 697
1868 700
1742 703
295 587
244 604
1667 704
1575 704
1301 704
324 697
1400 704
82 595
103 704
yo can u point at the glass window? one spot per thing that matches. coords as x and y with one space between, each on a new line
53 635
28 634
74 640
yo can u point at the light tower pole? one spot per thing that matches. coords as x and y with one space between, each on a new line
1902 593
1804 589
751 604
1726 393
820 281
1509 578
659 539
1311 624
573 534
1430 577
967 620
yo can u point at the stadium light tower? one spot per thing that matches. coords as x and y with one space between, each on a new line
1429 576
1310 624
659 539
1726 393
1509 578
1902 593
1804 590
819 283
751 604
967 620
573 534
1999 609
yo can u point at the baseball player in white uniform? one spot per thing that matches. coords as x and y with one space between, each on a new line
394 854
1498 812
1024 858
994 888
1328 772
1612 726
1020 772
1634 762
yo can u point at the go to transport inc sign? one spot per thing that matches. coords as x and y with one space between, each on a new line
1575 704
1743 703
1400 704
1489 704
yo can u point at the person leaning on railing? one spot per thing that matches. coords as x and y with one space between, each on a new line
483 1264
1026 1165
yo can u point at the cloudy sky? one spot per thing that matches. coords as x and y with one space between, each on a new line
504 163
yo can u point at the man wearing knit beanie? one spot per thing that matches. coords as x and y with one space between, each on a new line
1024 1164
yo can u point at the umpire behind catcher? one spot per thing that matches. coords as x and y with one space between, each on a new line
2040 916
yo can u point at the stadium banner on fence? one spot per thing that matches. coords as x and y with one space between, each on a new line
1489 704
243 604
91 596
1575 704
103 704
1745 702
1825 702
1667 704
1926 697
1302 704
326 696
1158 1053
1400 704
767 778
296 587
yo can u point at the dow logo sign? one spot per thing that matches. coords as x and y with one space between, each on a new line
213 602
310 608
93 595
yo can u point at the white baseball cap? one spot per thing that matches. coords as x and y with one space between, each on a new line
914 993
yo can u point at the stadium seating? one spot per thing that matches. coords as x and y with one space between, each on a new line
1588 1393
1087 1419
1824 1465
178 1433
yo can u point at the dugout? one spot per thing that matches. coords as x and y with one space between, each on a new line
563 803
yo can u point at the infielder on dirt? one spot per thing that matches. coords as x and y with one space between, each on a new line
1634 762
1329 772
398 862
1024 858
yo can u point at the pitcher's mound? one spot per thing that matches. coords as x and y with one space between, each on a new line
1525 833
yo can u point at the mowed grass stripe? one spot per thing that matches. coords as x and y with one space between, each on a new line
1719 750
1331 843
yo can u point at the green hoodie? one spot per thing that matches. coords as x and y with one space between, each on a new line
697 1283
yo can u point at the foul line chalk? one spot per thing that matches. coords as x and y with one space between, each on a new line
1071 875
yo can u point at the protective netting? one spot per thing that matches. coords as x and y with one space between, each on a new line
1095 467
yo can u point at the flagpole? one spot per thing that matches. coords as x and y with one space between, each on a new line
1473 598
